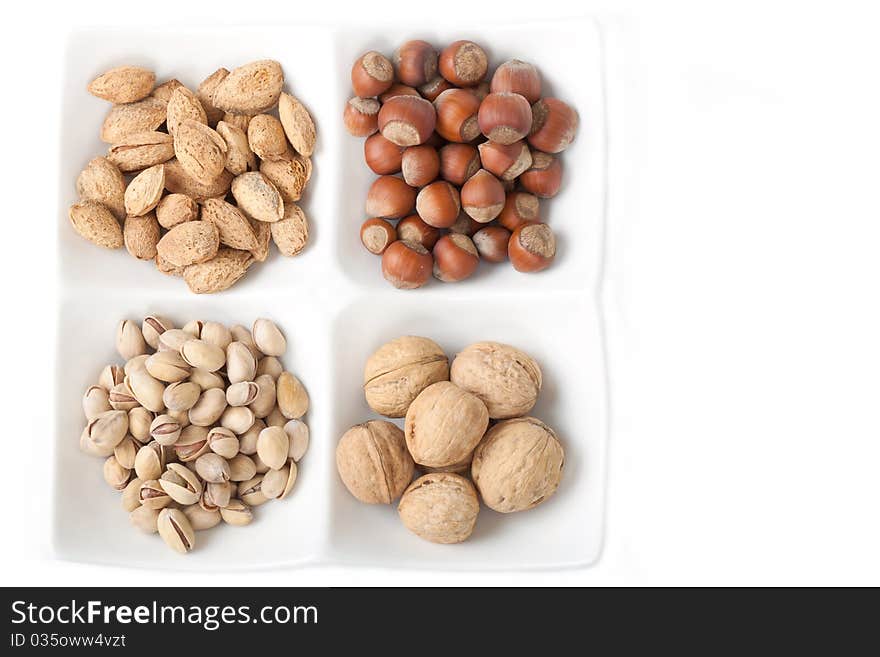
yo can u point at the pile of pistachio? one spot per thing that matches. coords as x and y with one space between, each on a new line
200 424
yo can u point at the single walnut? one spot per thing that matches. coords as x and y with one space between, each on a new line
373 462
517 465
441 508
399 370
506 379
444 424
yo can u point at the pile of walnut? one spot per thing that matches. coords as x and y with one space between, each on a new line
467 419
232 172
473 157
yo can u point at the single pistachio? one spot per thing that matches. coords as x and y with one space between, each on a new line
247 442
126 451
181 484
242 393
264 402
237 419
220 494
129 340
175 530
275 418
168 366
250 492
241 334
145 518
260 465
152 495
131 495
121 398
136 363
95 401
149 461
193 442
181 396
147 390
206 380
194 328
271 366
274 482
200 518
236 513
115 475
269 338
208 408
110 376
139 422
241 468
222 441
240 363
199 353
108 429
298 433
292 471
293 400
87 445
217 334
272 447
152 327
205 501
165 430
212 468
173 339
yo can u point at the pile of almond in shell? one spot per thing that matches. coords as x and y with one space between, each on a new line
199 182
462 159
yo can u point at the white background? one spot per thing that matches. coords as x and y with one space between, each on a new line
742 288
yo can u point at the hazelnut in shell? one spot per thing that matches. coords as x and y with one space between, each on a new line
382 156
438 204
532 247
464 225
420 165
491 243
504 117
406 265
390 198
482 196
505 378
377 234
481 90
518 465
458 162
517 77
372 74
399 370
544 177
361 116
373 462
415 62
408 120
440 507
506 161
519 207
463 63
457 115
554 125
434 88
412 228
398 89
455 258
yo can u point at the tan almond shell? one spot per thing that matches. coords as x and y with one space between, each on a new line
444 424
122 120
102 181
141 150
178 181
141 235
291 234
239 156
184 105
289 174
205 92
440 507
200 150
163 91
167 268
298 124
240 121
234 228
507 379
123 84
189 243
399 370
175 209
219 273
258 197
251 88
94 222
266 137
145 190
263 234
518 465
373 463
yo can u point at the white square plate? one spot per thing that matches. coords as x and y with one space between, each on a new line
335 309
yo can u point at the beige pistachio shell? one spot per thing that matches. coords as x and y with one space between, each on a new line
130 340
298 124
139 421
298 433
145 518
291 234
168 366
264 402
130 118
96 400
102 181
399 370
216 333
251 491
251 88
175 530
165 430
440 507
203 355
131 495
148 391
373 462
123 84
237 513
241 468
201 519
272 447
208 408
268 337
237 419
291 397
190 243
93 221
154 326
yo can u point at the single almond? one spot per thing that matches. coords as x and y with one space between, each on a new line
163 91
178 181
234 228
176 209
145 190
298 124
266 137
93 221
239 156
250 89
263 234
184 105
291 233
123 84
102 181
205 91
258 197
123 120
200 150
189 243
141 235
219 273
141 150
289 174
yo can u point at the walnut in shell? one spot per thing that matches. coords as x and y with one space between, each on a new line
373 462
507 379
440 507
399 370
518 465
444 424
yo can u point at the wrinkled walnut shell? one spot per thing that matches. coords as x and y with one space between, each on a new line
373 462
399 370
506 379
441 508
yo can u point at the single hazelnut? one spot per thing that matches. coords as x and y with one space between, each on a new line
382 156
517 77
438 204
415 62
544 177
412 228
506 161
399 370
505 378
457 115
463 63
420 165
518 465
408 120
465 225
372 74
554 125
440 507
519 207
491 243
482 196
444 424
481 90
504 117
406 265
377 234
458 162
433 88
455 258
390 197
361 116
373 462
398 89
532 247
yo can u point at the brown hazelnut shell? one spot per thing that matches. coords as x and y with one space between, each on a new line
532 247
458 162
420 165
506 161
390 197
517 77
438 204
491 243
463 63
544 177
412 228
372 74
415 63
407 120
455 258
407 265
554 125
457 111
519 207
382 156
361 116
376 235
504 117
482 196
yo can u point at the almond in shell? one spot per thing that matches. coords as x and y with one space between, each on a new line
219 273
141 235
93 221
122 120
200 150
189 243
239 156
251 88
291 233
234 228
258 197
167 268
178 181
184 105
266 137
263 234
176 209
240 121
298 124
102 181
205 92
145 190
163 91
290 175
141 150
123 84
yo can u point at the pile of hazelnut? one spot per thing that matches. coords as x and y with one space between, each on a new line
471 156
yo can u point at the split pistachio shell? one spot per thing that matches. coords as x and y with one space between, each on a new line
147 390
241 468
219 494
168 366
193 442
154 326
134 364
265 400
222 441
181 484
212 468
201 519
145 518
251 493
173 339
199 353
149 462
217 334
181 396
110 376
242 334
238 419
248 440
139 421
240 363
274 482
108 429
175 530
153 496
194 328
271 366
115 475
292 471
121 398
269 338
129 340
242 393
273 446
237 513
126 451
208 408
131 495
293 400
298 433
206 380
165 430
95 401
87 445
